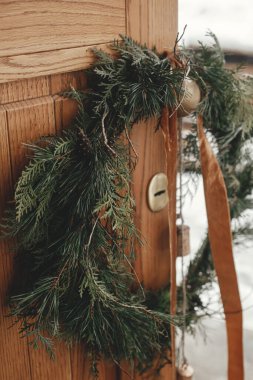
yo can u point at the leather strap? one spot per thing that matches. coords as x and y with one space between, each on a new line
220 237
169 128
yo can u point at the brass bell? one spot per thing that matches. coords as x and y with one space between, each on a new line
185 372
190 99
183 240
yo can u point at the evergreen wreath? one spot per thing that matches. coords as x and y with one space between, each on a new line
73 214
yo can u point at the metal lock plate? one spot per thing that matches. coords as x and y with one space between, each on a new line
158 192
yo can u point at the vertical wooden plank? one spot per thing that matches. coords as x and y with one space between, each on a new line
80 366
38 87
44 368
13 350
152 264
63 82
79 363
153 22
5 183
26 122
24 89
108 371
165 374
43 25
65 110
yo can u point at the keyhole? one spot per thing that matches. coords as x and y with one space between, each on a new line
159 193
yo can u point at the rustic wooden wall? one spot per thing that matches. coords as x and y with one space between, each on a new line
43 48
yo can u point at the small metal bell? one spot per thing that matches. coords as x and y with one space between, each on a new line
190 99
185 372
183 240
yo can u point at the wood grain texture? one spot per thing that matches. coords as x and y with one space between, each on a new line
37 87
65 111
27 120
25 66
24 89
44 25
80 365
43 368
45 37
154 22
152 264
164 374
5 183
13 350
63 82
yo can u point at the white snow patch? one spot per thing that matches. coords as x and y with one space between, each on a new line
230 20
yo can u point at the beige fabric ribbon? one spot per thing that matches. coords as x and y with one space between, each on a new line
220 237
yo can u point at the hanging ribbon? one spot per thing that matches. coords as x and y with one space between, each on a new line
169 128
220 237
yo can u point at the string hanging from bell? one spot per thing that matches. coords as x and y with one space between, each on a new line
184 371
188 103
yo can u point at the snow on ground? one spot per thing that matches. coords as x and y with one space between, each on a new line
209 359
230 20
210 340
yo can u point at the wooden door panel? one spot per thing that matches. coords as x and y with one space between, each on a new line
152 264
63 82
42 367
19 67
43 49
27 121
43 37
13 350
38 87
153 22
45 25
65 111
24 89
80 365
165 374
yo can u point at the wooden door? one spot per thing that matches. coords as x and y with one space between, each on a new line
43 49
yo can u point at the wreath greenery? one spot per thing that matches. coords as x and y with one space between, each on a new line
73 215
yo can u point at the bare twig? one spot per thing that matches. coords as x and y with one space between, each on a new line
130 142
105 136
87 246
178 39
57 279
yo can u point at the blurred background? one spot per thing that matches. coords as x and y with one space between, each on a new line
231 21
